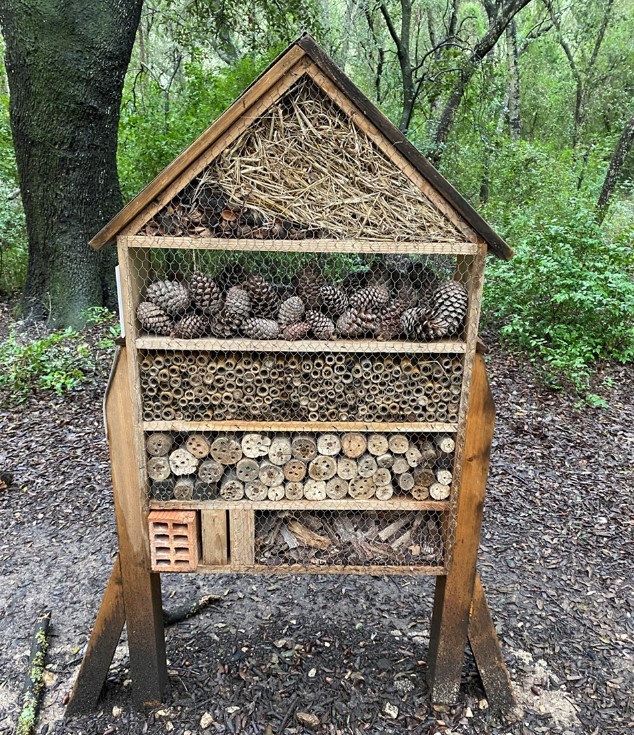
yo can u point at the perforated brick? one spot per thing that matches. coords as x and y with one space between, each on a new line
174 540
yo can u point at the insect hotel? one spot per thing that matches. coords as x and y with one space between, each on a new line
300 389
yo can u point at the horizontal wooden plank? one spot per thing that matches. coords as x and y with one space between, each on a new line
308 245
241 344
349 504
421 427
375 570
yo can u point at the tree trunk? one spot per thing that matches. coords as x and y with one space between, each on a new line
66 62
482 48
515 120
623 147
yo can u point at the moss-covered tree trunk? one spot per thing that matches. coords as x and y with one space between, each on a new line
66 61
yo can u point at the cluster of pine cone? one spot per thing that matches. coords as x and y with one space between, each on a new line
310 308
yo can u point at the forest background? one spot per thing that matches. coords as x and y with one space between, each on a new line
526 106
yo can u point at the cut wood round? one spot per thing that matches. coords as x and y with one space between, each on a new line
183 462
446 444
197 445
382 476
413 456
158 468
346 468
276 492
424 477
158 444
337 488
362 488
231 488
295 470
384 492
328 444
353 445
225 450
210 471
398 443
205 490
400 465
304 448
247 470
294 490
315 490
163 489
184 488
438 491
280 450
429 453
256 490
420 492
406 481
322 468
385 460
444 477
270 474
366 466
377 444
255 445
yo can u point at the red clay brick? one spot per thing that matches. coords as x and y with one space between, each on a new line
174 540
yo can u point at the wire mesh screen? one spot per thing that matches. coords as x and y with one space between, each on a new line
303 170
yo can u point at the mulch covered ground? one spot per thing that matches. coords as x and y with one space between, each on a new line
556 561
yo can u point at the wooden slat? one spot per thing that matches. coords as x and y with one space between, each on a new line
347 505
420 427
260 86
305 246
214 536
242 344
242 537
374 570
454 592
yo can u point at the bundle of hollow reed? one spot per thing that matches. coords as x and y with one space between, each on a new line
308 387
349 538
303 170
318 467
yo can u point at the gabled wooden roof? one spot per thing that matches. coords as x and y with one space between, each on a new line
303 50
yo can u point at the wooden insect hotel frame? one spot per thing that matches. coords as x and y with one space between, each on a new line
300 389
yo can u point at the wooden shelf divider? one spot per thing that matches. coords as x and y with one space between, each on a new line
303 426
315 505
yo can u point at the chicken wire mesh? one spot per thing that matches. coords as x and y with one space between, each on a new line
303 170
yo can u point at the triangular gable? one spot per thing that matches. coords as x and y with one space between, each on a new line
297 122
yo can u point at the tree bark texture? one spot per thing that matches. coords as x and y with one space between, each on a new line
623 147
66 61
515 120
479 53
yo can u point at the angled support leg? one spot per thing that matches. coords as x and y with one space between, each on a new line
454 591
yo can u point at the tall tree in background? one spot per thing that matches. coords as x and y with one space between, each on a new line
623 147
66 62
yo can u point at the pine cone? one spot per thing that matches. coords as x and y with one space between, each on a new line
354 323
291 311
258 328
370 299
172 296
225 326
237 303
334 300
308 283
192 326
205 293
320 325
448 311
153 319
264 299
411 320
293 332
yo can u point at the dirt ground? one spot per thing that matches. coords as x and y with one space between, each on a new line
556 561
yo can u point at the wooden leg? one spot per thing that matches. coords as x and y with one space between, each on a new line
452 600
141 588
101 647
488 654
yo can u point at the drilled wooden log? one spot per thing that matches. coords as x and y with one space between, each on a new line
382 476
362 488
353 445
158 468
322 468
183 462
413 456
444 477
270 474
385 460
247 470
424 477
398 443
184 488
304 448
384 492
400 465
158 444
197 445
256 490
420 492
445 444
295 470
366 466
406 481
438 491
280 450
315 490
346 468
294 490
337 488
377 444
226 450
276 492
210 471
328 444
255 446
230 487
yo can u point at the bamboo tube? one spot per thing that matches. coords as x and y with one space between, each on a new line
167 414
159 362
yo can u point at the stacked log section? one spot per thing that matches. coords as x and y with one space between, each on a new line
356 538
199 386
316 467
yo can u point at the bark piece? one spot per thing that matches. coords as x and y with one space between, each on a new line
197 445
307 537
158 468
158 444
225 450
315 490
336 488
346 468
322 468
183 462
328 444
280 450
255 446
353 445
377 444
295 470
304 448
